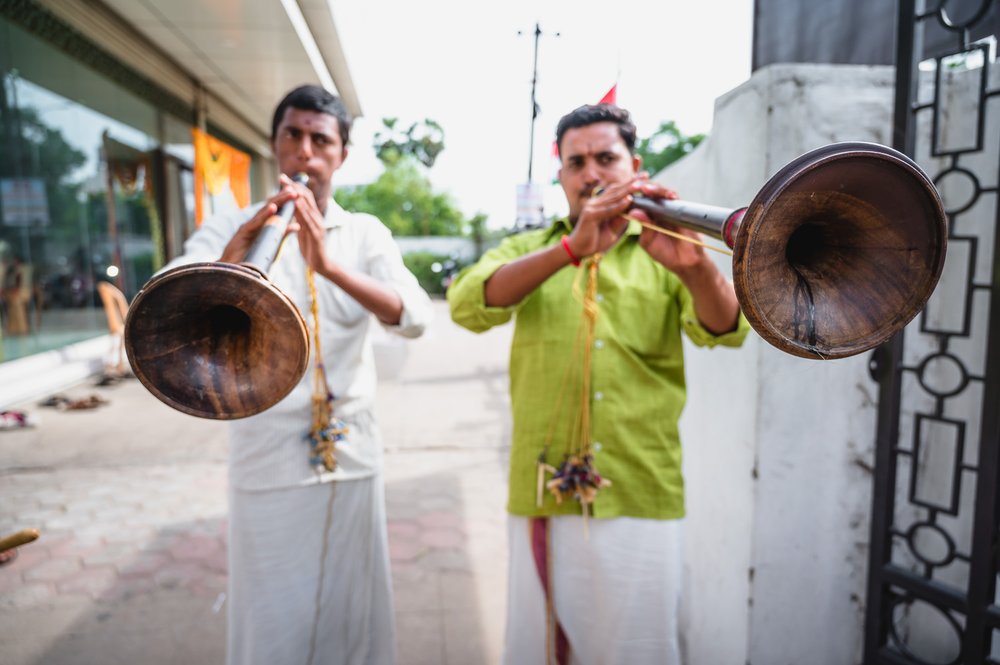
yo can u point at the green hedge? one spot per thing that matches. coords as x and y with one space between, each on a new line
422 265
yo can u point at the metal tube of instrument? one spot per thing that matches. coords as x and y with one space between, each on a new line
698 217
265 247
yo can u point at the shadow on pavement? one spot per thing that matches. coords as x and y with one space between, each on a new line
115 593
448 548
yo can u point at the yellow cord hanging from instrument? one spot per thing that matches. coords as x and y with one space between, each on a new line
326 429
577 476
679 236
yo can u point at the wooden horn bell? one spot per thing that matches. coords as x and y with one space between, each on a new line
218 340
837 252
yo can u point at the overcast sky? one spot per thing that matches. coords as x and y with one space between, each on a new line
463 64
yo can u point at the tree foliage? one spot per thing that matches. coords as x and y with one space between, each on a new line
402 197
423 141
32 149
665 146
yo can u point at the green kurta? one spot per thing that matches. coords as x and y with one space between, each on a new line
637 373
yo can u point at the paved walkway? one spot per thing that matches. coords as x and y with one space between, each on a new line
130 499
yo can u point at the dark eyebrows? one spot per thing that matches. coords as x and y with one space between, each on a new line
296 132
603 155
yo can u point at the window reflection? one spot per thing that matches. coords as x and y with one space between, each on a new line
88 170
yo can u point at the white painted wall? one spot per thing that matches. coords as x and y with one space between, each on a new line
27 379
778 449
460 248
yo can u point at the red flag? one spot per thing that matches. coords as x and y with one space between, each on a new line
611 96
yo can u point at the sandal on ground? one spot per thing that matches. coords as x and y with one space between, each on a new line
89 402
15 420
54 401
9 544
107 380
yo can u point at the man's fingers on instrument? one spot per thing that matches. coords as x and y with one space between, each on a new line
287 183
266 212
286 193
686 232
612 191
618 226
640 215
305 205
611 203
308 216
647 237
657 191
270 209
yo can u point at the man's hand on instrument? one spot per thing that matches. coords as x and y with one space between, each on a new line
675 254
600 223
308 222
245 236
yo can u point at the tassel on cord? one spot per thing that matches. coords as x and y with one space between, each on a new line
577 476
326 429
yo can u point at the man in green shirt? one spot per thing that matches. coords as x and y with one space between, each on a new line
597 388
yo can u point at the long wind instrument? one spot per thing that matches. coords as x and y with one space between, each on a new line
219 340
837 252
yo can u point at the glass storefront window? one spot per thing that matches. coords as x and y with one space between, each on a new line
78 200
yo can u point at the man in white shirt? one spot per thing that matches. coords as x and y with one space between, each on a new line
308 555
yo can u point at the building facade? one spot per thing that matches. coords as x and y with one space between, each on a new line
118 124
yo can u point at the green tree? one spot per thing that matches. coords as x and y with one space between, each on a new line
402 197
423 141
665 146
30 148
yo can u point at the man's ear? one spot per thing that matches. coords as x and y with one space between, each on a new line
343 154
636 162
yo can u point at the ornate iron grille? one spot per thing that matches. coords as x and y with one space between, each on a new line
934 559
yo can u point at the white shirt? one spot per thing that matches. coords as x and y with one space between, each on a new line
270 450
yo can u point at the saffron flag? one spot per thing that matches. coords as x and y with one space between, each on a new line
218 166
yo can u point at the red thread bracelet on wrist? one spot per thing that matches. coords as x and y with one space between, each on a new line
572 259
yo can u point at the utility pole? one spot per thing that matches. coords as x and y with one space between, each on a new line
534 104
528 195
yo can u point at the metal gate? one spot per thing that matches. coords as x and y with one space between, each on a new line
934 559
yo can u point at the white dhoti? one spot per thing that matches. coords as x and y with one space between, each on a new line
615 592
309 580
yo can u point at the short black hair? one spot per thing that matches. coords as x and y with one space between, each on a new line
314 98
590 114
